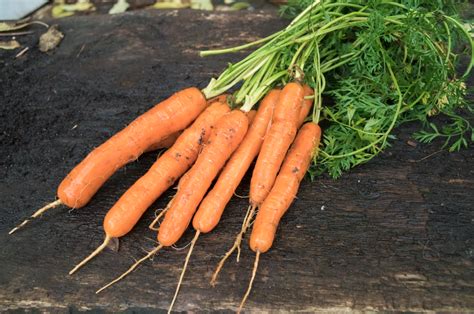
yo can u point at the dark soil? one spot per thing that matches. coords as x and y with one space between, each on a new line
394 234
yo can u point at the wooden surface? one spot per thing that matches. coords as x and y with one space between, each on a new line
394 234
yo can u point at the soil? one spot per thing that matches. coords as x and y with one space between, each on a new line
394 234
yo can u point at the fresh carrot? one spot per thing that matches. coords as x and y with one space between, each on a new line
282 193
229 132
277 141
225 138
171 165
164 119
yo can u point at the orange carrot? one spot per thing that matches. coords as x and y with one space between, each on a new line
165 171
228 134
224 139
282 193
164 119
230 131
277 141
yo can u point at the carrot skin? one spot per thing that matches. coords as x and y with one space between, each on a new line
171 165
165 143
307 104
277 141
225 138
164 119
289 103
210 211
285 188
251 115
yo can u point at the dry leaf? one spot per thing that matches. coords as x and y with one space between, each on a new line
171 4
50 39
9 45
202 5
120 7
63 10
5 26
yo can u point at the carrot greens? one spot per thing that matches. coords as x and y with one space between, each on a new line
373 64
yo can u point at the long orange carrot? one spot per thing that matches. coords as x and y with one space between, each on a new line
277 141
163 173
164 119
230 131
282 193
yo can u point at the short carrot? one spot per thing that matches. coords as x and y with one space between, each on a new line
163 173
225 138
282 193
164 119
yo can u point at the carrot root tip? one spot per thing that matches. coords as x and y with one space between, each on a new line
36 214
254 273
193 242
132 268
92 255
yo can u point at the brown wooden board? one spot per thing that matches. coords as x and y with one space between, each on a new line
394 234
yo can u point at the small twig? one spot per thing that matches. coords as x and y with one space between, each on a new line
80 51
16 33
22 52
430 155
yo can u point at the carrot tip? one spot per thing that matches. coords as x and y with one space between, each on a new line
36 214
247 293
92 255
132 268
193 242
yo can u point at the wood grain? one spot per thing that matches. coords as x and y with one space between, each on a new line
394 234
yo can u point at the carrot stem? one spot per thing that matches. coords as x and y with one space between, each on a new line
92 255
236 246
193 242
132 268
36 214
254 272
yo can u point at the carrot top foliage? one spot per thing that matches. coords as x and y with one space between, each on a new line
377 63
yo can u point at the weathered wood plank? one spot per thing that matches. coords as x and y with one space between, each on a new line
396 233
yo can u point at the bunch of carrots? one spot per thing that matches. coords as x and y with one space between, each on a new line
205 138
210 136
